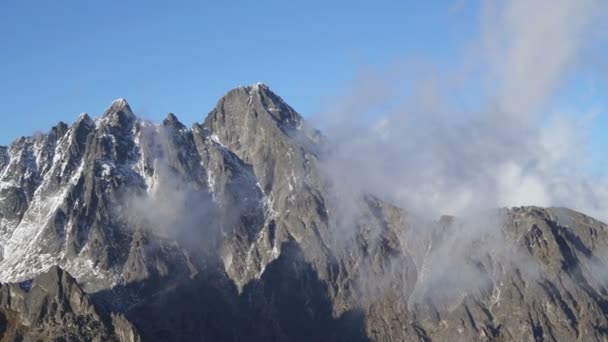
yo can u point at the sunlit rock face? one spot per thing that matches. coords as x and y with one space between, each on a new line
117 228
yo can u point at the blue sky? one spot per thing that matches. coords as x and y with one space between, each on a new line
62 58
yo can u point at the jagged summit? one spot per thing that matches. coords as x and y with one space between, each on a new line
254 102
60 128
258 96
119 113
249 91
84 117
231 231
255 86
172 121
171 117
117 105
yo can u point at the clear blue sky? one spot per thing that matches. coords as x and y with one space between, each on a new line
61 58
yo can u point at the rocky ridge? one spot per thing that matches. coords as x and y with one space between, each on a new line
230 230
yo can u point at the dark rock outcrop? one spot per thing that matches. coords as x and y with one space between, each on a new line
52 307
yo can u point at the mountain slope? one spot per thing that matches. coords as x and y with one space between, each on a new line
53 307
231 230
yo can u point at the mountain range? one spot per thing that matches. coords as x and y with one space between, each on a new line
120 229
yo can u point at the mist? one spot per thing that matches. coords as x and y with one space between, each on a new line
173 204
488 132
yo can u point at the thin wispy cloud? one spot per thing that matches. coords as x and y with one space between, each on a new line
514 147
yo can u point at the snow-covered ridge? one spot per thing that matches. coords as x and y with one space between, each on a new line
44 175
22 240
44 164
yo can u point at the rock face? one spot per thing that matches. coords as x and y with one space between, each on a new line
52 307
230 231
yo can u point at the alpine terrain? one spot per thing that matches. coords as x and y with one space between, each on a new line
119 229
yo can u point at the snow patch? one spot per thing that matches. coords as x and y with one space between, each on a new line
8 185
22 252
211 183
106 169
216 139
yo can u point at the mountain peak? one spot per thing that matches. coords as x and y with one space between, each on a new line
84 117
119 113
259 86
157 222
173 121
258 98
59 129
118 106
120 102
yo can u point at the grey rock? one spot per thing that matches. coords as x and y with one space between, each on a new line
52 307
4 158
230 230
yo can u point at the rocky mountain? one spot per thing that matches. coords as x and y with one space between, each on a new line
52 306
117 228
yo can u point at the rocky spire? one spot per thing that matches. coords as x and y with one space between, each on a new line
117 106
119 114
257 100
172 121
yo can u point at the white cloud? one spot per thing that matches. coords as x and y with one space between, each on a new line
430 156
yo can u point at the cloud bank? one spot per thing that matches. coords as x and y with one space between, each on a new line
484 130
510 144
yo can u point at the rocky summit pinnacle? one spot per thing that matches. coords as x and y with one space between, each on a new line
118 105
258 99
173 121
119 113
120 229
